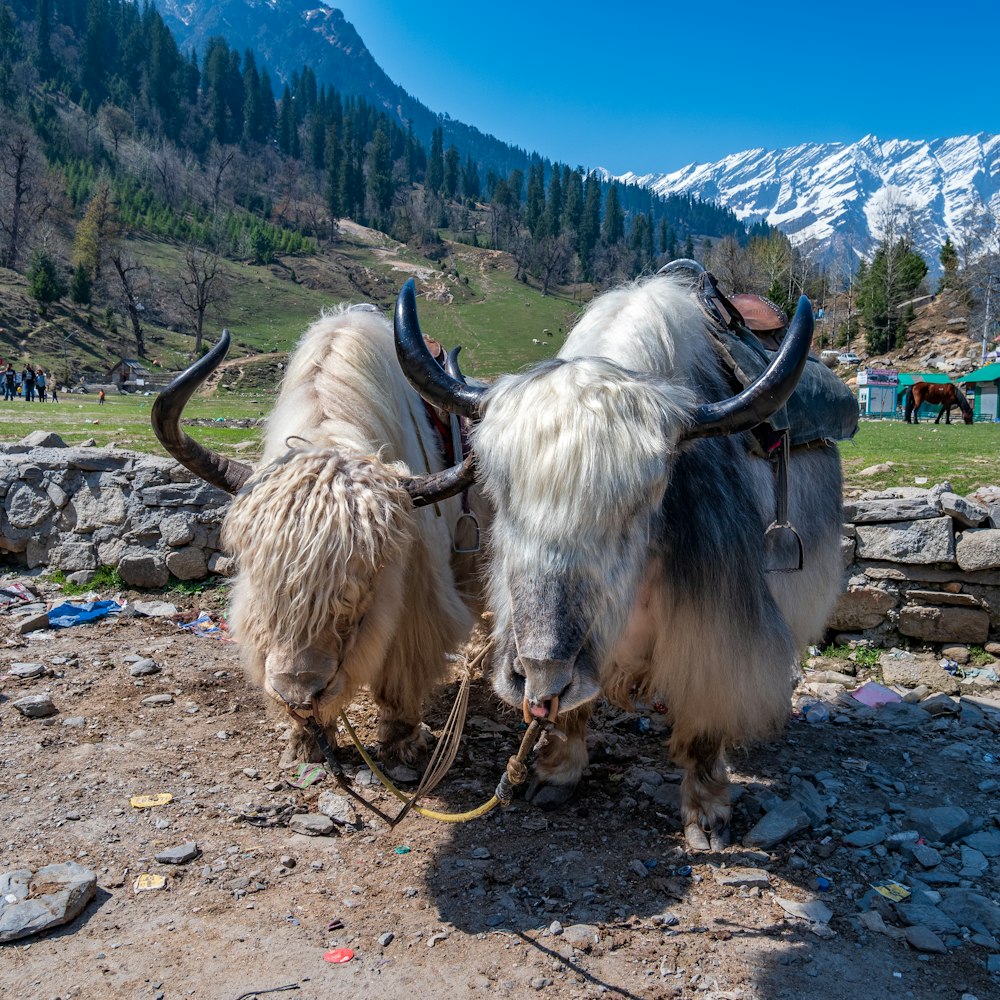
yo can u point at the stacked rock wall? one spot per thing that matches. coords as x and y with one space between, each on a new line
76 509
922 563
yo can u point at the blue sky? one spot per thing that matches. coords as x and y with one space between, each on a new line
654 86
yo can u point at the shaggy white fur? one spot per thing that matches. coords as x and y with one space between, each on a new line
656 543
341 582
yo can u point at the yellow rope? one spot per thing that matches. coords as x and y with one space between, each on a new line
516 773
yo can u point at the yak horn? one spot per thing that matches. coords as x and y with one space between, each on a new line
427 490
225 473
423 372
768 393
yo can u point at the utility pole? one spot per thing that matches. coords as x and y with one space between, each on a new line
986 317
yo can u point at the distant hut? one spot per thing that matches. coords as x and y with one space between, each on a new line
129 374
877 392
983 389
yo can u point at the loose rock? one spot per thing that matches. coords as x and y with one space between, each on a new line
31 902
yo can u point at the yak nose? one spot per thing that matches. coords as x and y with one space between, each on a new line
297 690
545 679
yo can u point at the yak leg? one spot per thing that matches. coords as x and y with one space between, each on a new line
302 748
400 735
560 763
705 802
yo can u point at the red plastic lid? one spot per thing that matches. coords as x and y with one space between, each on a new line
339 956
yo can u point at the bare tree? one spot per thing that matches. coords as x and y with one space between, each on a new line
132 281
220 159
552 254
24 195
732 265
200 288
115 123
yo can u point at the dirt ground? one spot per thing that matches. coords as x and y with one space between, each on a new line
472 910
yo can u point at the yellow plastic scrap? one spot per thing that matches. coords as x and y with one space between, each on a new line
892 890
148 883
149 801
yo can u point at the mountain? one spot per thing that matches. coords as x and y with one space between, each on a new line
826 197
288 34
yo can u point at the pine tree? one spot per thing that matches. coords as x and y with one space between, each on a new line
590 222
613 229
470 180
96 230
451 171
949 263
79 286
44 284
380 172
435 163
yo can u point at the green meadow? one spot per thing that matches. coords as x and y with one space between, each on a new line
925 454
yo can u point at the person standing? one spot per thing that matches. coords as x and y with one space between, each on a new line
100 398
9 383
28 383
40 384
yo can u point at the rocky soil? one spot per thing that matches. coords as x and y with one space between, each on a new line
598 899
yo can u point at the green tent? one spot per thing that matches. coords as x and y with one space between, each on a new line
983 389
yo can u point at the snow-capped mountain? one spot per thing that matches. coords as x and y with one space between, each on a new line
827 197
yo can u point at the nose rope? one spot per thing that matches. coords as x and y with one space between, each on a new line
515 773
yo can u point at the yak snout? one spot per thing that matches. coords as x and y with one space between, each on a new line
544 682
300 682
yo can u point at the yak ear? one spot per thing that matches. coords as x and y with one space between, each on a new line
225 473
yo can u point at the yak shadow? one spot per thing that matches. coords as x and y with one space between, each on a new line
614 859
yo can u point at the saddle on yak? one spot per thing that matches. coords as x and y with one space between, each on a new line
822 408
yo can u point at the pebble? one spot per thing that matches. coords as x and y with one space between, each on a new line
581 935
480 853
780 823
179 855
866 838
638 868
986 842
404 775
35 706
338 808
144 668
286 861
75 722
926 856
26 671
923 939
151 701
748 877
23 913
386 939
311 824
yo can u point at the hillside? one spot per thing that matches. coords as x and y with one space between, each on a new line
471 297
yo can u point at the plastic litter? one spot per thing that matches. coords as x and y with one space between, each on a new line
338 956
206 626
893 891
14 594
684 870
403 849
149 883
873 695
815 712
823 883
305 775
69 614
149 801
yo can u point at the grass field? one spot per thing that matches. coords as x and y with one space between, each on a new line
968 457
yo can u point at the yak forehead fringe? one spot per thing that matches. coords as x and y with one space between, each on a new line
576 442
310 535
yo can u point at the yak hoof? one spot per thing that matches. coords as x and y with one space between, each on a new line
301 748
715 839
548 796
402 743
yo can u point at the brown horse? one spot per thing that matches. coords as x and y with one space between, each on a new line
946 393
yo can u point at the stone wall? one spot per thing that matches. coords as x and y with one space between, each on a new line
76 509
922 563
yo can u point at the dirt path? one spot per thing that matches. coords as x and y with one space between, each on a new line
600 898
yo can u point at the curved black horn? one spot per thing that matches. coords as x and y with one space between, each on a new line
425 490
760 399
424 373
451 365
225 473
